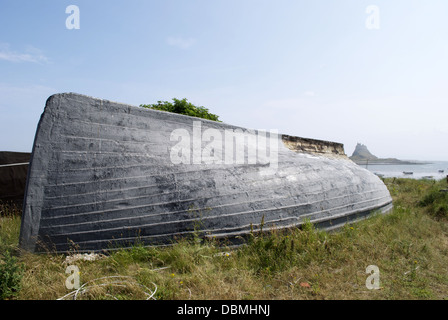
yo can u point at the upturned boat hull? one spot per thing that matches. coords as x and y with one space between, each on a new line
105 175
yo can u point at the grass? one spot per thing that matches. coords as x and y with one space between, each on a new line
409 246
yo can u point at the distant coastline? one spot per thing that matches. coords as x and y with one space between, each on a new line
362 156
389 162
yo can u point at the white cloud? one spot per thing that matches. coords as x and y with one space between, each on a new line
182 43
31 54
309 93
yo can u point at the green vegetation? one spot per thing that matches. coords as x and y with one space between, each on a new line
409 246
10 276
182 107
436 202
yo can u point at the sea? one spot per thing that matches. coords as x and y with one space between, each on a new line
428 170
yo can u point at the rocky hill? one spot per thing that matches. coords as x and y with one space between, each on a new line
362 155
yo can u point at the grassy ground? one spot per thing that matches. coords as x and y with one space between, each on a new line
409 246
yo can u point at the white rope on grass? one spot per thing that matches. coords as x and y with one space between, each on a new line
189 297
120 283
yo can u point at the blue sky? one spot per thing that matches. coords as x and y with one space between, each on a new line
305 68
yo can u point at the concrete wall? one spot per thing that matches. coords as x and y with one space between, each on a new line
103 174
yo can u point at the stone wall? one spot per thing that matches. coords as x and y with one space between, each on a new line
13 172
